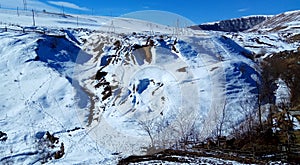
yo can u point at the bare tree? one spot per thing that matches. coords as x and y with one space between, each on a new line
284 120
149 127
221 121
185 125
259 96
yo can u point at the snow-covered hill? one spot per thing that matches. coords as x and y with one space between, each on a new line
102 92
277 33
57 21
261 34
138 82
36 97
288 22
263 44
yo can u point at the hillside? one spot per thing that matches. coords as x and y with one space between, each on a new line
81 89
264 34
278 33
288 22
57 21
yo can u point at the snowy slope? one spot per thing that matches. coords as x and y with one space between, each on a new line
58 21
92 92
35 99
39 91
285 23
156 84
277 33
263 43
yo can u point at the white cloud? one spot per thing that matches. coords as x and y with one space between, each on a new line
68 5
243 10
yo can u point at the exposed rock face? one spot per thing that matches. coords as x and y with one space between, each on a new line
233 25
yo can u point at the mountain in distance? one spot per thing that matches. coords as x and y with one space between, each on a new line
284 22
266 34
233 25
288 22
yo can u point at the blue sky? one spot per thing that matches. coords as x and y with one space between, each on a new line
198 11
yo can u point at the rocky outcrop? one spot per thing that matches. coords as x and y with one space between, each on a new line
233 25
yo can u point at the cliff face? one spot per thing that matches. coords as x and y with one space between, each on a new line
233 25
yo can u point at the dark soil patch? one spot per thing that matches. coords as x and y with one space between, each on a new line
176 156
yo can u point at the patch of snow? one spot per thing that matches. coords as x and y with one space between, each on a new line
282 93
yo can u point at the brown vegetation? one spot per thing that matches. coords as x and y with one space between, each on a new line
180 156
286 65
294 38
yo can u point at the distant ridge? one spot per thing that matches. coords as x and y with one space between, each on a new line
233 25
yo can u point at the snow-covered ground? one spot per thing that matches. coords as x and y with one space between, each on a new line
272 35
263 43
48 84
34 99
197 81
63 21
285 23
